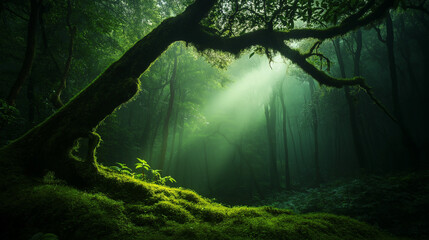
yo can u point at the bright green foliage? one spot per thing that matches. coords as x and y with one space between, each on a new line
154 174
158 212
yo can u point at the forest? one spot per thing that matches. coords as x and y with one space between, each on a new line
214 119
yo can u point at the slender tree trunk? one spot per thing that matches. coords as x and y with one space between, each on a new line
315 126
31 102
298 169
148 130
351 100
405 52
167 118
56 98
270 116
30 51
285 145
155 134
179 168
144 138
206 164
407 139
173 141
301 148
337 149
239 150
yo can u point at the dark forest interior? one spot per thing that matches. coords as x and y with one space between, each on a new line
214 119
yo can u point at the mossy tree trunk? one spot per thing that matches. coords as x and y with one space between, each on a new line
48 146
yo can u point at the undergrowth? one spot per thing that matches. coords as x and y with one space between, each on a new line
127 208
397 203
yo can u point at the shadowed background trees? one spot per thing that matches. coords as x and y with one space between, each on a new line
190 119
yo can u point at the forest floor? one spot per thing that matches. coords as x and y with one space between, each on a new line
127 208
397 203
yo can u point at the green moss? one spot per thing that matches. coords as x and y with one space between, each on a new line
132 209
172 212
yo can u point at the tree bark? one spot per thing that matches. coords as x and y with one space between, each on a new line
173 141
56 97
270 117
298 169
179 169
168 116
49 145
408 141
206 168
31 102
285 145
315 125
351 101
30 51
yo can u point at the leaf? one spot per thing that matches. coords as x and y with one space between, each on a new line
120 164
171 179
115 168
251 55
142 161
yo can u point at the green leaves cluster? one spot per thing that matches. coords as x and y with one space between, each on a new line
234 18
8 114
143 171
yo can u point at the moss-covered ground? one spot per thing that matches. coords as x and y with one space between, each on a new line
132 209
398 203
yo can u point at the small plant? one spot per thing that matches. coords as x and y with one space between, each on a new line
8 114
44 236
50 178
144 166
144 172
123 168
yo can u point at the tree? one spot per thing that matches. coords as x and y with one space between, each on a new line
168 116
351 101
407 139
284 132
315 125
30 51
270 117
229 26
